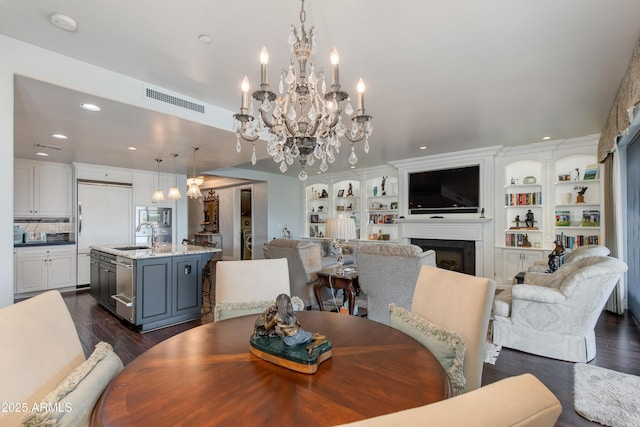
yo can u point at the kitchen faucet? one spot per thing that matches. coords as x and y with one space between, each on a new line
154 236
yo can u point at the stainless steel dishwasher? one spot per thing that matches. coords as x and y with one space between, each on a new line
125 293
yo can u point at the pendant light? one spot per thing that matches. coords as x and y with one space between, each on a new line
158 195
174 192
193 184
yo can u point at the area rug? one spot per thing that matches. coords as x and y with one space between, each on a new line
607 397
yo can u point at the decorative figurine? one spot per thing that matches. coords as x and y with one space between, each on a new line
279 338
324 194
350 190
577 171
517 221
581 190
528 222
482 213
384 180
525 241
556 257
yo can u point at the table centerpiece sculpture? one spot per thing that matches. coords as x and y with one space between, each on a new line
279 338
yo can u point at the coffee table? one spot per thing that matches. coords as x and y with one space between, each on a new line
348 282
207 376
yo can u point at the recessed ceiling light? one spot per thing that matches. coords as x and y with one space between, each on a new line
90 107
64 22
40 153
423 147
205 39
132 148
59 136
546 138
353 167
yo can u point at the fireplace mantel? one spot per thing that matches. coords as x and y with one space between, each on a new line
475 229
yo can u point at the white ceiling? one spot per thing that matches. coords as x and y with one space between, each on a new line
447 74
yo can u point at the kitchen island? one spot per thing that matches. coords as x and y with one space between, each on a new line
150 288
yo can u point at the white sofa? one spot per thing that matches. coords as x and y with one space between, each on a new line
554 315
42 361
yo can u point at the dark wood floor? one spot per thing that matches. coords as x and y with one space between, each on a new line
617 337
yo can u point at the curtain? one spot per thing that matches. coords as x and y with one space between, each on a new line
613 238
620 115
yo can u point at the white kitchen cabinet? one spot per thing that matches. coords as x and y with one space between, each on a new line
41 189
45 267
517 260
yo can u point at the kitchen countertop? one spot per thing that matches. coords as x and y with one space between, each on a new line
163 250
29 245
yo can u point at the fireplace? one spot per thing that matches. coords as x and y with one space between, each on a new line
456 255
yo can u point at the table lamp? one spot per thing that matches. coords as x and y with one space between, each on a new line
340 230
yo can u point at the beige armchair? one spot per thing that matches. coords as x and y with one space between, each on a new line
304 261
387 273
554 315
530 404
542 265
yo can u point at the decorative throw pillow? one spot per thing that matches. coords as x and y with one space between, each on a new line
228 310
71 403
447 346
329 248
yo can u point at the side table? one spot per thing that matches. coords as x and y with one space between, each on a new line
348 282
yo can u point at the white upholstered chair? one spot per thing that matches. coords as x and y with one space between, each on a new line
40 352
387 273
458 303
554 315
521 401
250 286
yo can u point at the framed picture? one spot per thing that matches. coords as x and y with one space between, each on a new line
591 172
314 219
340 193
394 205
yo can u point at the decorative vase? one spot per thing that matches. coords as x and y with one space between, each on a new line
566 198
375 191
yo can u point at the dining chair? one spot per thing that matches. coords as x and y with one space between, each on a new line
250 286
455 307
522 401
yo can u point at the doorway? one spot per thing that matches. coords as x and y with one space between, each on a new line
246 243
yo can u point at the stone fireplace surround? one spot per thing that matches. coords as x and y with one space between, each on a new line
477 230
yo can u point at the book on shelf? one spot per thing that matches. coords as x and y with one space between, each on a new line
591 218
591 172
563 218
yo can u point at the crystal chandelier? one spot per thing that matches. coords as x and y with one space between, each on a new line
305 121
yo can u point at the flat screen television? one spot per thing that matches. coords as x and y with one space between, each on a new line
455 190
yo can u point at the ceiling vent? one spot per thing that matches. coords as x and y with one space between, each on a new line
50 147
173 100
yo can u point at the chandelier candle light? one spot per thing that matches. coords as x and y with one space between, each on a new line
341 230
305 121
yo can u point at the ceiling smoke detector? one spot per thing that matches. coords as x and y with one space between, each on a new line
64 22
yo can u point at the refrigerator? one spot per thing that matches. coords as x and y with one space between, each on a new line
104 217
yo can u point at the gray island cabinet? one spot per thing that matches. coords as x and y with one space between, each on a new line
150 288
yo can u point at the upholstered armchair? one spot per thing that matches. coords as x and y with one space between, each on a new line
387 273
304 261
542 265
554 315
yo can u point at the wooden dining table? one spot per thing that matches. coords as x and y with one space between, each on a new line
206 376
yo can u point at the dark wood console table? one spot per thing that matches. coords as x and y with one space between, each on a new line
348 282
207 376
